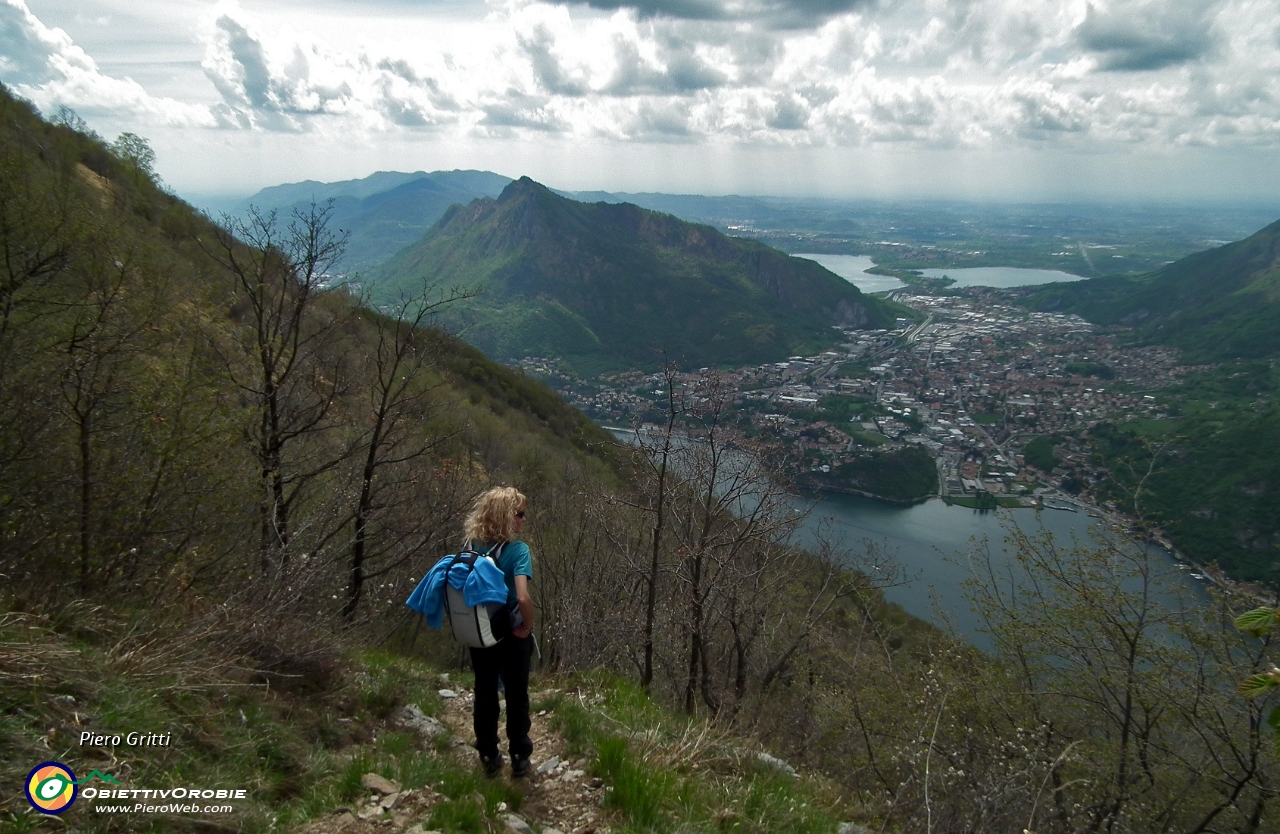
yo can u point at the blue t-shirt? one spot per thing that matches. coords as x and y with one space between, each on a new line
515 560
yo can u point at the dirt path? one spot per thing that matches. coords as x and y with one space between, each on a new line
559 796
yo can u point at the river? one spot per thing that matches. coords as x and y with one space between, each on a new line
931 544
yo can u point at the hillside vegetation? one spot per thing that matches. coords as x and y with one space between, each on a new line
221 475
1215 305
903 476
607 286
1203 474
1199 474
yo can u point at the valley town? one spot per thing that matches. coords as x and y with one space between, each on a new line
999 398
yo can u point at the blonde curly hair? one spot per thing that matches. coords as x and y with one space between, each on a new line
493 517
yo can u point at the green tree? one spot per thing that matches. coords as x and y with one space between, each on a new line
1039 453
135 150
1261 624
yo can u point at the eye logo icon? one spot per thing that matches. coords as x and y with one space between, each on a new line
51 787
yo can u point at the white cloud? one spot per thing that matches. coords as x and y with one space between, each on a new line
980 75
44 65
281 81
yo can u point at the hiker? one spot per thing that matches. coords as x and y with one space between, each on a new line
495 521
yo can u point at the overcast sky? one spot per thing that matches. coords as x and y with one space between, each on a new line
980 99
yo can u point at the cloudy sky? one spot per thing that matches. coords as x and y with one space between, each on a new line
980 99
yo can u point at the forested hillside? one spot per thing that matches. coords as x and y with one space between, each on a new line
1204 473
221 475
616 286
1214 305
1200 472
170 387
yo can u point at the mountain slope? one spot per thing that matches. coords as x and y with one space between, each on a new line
386 211
614 285
126 342
1215 305
1202 472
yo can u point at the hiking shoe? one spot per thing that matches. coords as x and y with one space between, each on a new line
493 764
519 765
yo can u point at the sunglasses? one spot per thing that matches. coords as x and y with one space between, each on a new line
520 514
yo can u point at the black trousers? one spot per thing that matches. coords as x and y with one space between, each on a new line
509 660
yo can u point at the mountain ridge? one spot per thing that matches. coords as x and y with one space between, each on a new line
1214 305
383 212
578 280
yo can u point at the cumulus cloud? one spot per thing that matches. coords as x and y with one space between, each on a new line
918 73
791 112
784 14
279 83
1149 35
44 65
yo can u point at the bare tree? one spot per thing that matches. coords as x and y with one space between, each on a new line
281 275
590 604
656 459
751 598
1139 687
101 339
396 439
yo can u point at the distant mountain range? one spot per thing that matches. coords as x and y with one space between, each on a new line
1220 304
606 285
384 212
387 211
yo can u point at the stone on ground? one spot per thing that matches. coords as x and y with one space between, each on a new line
374 782
515 825
415 719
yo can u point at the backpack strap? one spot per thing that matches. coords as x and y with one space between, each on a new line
467 557
492 553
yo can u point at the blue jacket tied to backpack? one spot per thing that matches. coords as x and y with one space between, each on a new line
480 585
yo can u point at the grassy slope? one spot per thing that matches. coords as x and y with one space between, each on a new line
299 743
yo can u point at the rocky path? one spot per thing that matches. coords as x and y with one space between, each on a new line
560 797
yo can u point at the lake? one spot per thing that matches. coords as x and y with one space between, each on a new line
853 268
1000 276
932 543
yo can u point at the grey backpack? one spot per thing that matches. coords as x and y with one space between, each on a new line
477 626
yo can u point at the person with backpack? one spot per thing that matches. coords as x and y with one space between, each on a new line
492 527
